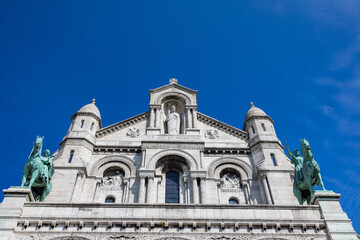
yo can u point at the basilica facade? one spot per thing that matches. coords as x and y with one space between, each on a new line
171 173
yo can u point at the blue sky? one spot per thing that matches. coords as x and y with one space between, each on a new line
297 60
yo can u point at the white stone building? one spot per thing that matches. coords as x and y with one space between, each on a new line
171 173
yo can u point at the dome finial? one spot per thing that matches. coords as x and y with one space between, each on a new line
93 101
252 104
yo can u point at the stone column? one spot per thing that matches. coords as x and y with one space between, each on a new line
203 190
157 117
194 118
150 190
246 191
189 123
195 190
266 189
124 195
181 189
152 116
142 190
338 224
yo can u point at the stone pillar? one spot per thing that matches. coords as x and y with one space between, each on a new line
181 189
157 117
338 224
124 195
195 190
150 190
11 207
152 117
189 123
266 189
142 190
247 192
203 190
194 118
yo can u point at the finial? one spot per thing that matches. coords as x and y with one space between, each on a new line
93 101
251 104
173 80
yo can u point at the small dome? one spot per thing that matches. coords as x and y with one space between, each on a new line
91 108
254 111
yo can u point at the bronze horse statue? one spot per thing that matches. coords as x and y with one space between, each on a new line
307 172
38 171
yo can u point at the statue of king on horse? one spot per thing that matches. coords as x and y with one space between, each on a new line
307 172
38 171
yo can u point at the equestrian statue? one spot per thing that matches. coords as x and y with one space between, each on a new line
307 172
38 171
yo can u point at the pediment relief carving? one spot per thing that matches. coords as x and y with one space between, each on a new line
222 126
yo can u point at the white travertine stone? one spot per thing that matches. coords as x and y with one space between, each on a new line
229 163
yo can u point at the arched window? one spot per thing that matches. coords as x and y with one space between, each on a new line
233 201
273 159
92 126
172 188
82 123
263 127
71 155
110 200
253 129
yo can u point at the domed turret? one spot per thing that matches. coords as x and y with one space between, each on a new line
90 108
257 123
85 122
254 112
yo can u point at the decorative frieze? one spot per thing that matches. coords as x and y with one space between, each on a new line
189 146
235 152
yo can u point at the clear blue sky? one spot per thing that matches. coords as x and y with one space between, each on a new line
297 60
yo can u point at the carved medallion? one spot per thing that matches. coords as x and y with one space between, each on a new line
133 132
211 134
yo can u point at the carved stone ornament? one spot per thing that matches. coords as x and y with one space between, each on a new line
111 183
133 132
151 237
230 181
211 134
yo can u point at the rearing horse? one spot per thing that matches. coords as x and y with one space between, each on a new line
36 173
310 171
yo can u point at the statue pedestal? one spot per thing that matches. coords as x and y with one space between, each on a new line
337 222
11 207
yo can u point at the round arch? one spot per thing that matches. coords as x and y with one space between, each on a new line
159 99
122 162
230 162
190 160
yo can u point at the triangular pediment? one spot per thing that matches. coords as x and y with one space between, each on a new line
222 126
174 86
122 125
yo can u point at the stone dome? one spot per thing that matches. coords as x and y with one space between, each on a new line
90 108
254 111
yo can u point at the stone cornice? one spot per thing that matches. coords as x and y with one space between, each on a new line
120 125
87 114
222 126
